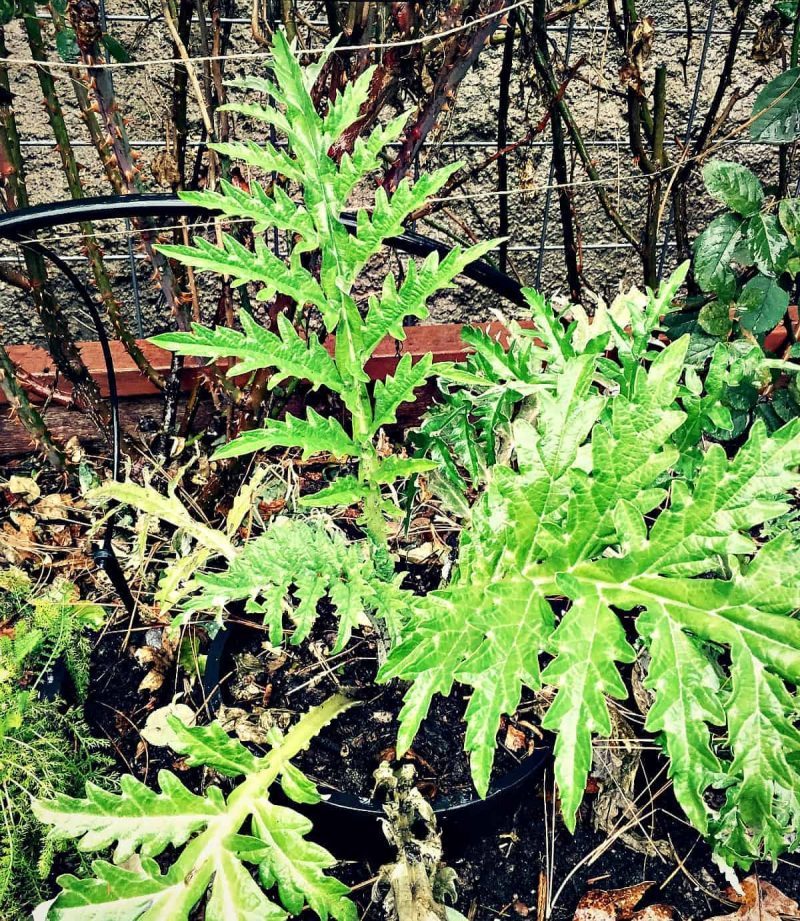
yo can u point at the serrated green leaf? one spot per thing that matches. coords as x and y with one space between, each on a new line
115 893
764 775
263 157
715 318
244 265
776 111
236 896
210 746
714 252
587 643
385 316
399 388
167 508
296 865
585 518
115 48
309 562
686 688
66 45
346 490
202 828
315 434
136 818
265 209
734 185
789 216
395 468
768 243
762 304
257 348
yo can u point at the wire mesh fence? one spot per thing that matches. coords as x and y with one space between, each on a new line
691 42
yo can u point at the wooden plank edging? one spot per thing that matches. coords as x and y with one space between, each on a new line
139 398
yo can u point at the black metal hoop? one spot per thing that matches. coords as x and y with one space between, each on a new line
17 226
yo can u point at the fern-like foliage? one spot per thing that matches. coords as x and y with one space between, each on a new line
214 838
291 567
48 626
598 514
45 748
311 215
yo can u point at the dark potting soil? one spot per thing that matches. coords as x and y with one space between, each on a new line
347 752
503 873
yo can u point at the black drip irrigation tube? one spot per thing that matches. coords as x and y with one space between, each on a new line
17 226
466 814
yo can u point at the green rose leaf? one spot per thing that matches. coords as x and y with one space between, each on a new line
715 318
768 243
734 185
116 49
713 253
789 215
776 111
762 304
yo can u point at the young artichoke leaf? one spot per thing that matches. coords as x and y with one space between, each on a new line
243 266
315 434
307 562
207 833
312 214
585 517
256 347
399 388
386 314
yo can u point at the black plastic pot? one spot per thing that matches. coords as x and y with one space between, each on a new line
350 823
54 682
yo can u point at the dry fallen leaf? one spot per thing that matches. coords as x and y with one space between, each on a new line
158 657
157 730
761 902
25 487
18 541
515 741
619 905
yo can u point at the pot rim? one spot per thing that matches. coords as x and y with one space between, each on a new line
443 807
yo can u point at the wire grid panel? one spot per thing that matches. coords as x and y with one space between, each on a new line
470 133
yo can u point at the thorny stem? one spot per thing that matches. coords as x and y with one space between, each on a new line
783 150
463 50
542 64
180 78
70 167
60 342
740 20
26 412
502 135
85 19
558 152
654 167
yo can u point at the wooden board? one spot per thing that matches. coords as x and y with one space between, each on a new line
140 401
